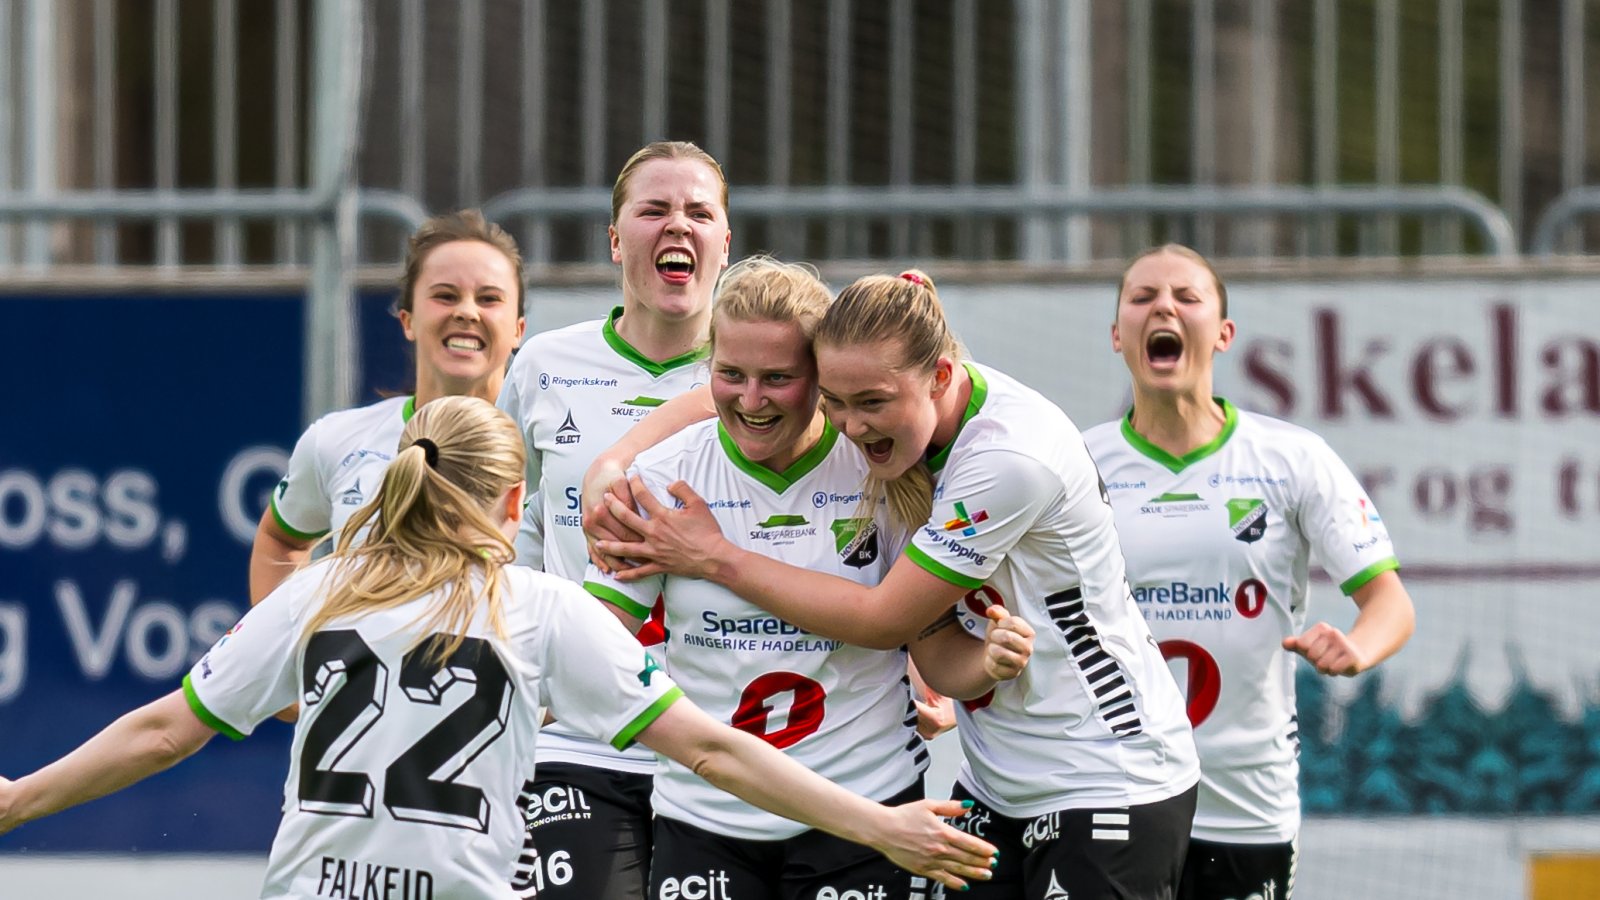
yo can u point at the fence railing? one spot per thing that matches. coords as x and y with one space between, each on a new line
1076 107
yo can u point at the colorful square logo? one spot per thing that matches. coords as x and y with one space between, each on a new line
965 522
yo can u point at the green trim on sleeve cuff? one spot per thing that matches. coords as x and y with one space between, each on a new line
1357 581
940 570
205 715
618 599
288 529
625 737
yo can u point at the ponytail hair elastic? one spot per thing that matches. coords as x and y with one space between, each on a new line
914 278
430 451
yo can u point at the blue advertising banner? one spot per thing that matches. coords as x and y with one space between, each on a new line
144 436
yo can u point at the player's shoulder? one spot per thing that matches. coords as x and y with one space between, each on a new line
1270 434
531 598
361 425
528 585
307 586
1013 418
580 340
356 417
565 336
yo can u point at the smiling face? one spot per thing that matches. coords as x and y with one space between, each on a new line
671 237
1170 324
887 411
464 320
764 383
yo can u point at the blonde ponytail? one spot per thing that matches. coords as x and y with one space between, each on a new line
433 524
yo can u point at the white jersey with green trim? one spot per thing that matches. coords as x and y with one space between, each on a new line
407 778
842 711
573 392
1019 518
1218 545
337 466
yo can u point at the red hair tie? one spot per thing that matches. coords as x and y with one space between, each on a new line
914 278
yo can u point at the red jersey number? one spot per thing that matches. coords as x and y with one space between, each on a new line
805 710
1204 681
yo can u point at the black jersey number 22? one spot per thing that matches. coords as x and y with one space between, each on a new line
410 790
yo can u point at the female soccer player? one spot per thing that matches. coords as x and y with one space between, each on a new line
460 303
573 391
1220 511
780 480
425 667
1083 768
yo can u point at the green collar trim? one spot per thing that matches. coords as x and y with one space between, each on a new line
980 393
627 352
409 409
780 481
1179 463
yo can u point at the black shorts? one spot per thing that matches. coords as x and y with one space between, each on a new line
1120 853
1216 871
588 834
695 864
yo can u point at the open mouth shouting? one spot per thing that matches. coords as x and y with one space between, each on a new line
878 451
676 266
1164 350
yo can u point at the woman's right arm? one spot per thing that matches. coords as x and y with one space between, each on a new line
274 556
148 740
913 836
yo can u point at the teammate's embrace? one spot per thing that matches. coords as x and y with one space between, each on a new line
425 665
1220 512
777 476
1083 767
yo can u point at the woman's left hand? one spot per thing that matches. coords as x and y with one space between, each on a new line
1007 644
1328 649
682 540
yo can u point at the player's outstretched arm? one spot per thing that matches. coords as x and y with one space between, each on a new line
912 836
148 740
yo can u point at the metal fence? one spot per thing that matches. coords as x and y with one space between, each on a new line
1253 101
185 132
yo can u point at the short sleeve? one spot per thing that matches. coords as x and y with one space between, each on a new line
638 597
300 503
987 502
1341 523
599 679
634 598
248 674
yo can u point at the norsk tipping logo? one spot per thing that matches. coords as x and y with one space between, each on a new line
966 522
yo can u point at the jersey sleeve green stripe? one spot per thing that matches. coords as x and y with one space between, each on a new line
1355 582
205 715
921 558
618 599
625 737
288 529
